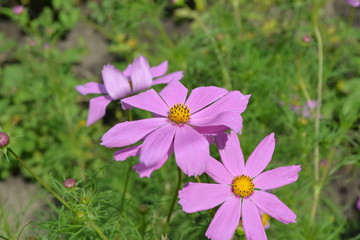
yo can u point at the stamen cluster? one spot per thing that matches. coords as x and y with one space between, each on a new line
243 186
179 113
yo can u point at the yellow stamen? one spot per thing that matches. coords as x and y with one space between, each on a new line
243 186
179 113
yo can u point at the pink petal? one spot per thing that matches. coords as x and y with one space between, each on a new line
124 153
218 172
145 171
127 71
159 70
127 133
91 87
230 152
234 101
157 144
251 220
203 96
174 93
260 157
97 107
232 120
149 101
226 220
140 74
176 76
354 3
277 177
195 197
116 84
191 151
272 206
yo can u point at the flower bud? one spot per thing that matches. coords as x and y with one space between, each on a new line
4 139
18 9
69 183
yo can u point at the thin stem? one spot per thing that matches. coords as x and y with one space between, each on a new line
318 106
127 177
164 233
39 179
97 229
126 183
47 187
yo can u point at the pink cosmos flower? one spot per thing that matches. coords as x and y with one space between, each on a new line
137 77
240 189
178 126
18 9
354 3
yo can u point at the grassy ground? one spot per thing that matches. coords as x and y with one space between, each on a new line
256 47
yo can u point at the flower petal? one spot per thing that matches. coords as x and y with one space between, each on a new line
226 220
218 172
159 70
230 152
203 96
191 151
277 177
97 108
232 120
124 153
272 206
260 157
91 87
127 133
195 197
234 101
149 101
251 220
145 171
116 84
157 144
174 93
175 76
127 71
140 74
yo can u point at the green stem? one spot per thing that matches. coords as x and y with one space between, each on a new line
127 177
320 53
164 233
97 229
126 183
39 179
93 225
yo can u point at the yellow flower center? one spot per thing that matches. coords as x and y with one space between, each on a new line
179 113
243 186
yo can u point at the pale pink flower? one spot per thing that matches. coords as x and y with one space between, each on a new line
137 77
18 9
241 189
354 3
69 183
178 126
306 39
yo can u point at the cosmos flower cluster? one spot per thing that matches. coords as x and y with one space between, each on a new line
186 124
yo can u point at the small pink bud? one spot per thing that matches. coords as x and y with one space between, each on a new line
306 39
18 9
358 204
69 183
4 139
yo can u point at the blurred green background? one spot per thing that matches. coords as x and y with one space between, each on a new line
266 48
